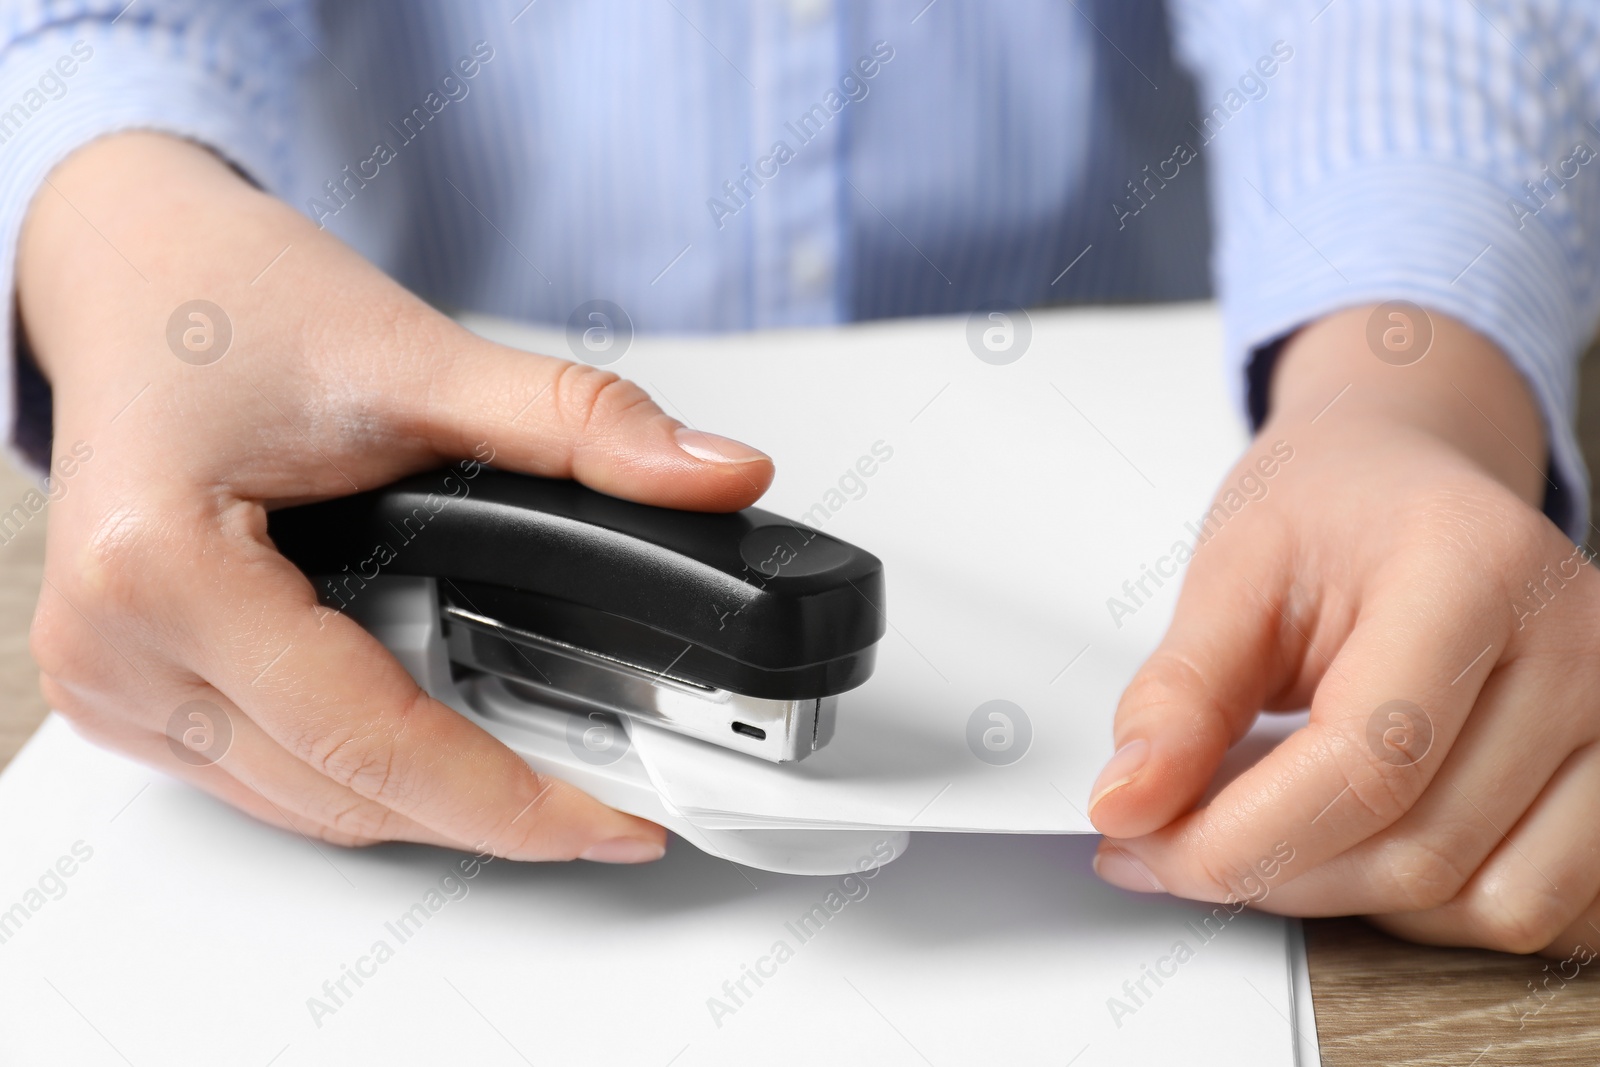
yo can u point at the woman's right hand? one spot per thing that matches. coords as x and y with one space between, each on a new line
310 375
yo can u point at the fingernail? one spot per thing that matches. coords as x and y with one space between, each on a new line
1119 770
1125 872
624 850
711 448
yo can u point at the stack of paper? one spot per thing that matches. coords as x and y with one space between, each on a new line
187 933
1020 510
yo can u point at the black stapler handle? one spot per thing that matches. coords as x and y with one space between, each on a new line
747 602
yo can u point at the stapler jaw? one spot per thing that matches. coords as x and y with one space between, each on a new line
576 745
564 675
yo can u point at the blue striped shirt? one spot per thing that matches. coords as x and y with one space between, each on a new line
709 165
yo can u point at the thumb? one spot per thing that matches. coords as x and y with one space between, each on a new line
547 416
1200 689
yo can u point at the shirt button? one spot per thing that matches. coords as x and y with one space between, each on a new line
803 13
810 269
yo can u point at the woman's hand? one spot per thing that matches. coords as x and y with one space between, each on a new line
161 586
1398 577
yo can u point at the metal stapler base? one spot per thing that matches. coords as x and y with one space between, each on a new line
404 614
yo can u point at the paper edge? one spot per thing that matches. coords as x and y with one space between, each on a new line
1302 1011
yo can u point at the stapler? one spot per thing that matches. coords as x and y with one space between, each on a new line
565 621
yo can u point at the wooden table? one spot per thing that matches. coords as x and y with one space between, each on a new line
1377 1000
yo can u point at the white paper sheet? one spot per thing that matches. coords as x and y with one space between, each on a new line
1014 502
191 934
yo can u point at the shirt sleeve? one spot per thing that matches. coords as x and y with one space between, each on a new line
1431 151
219 72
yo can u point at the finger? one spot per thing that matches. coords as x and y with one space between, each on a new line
570 420
291 787
1338 781
1538 888
1580 940
1494 772
1200 690
232 746
152 750
330 694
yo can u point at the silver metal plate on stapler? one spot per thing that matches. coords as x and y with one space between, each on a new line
562 675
